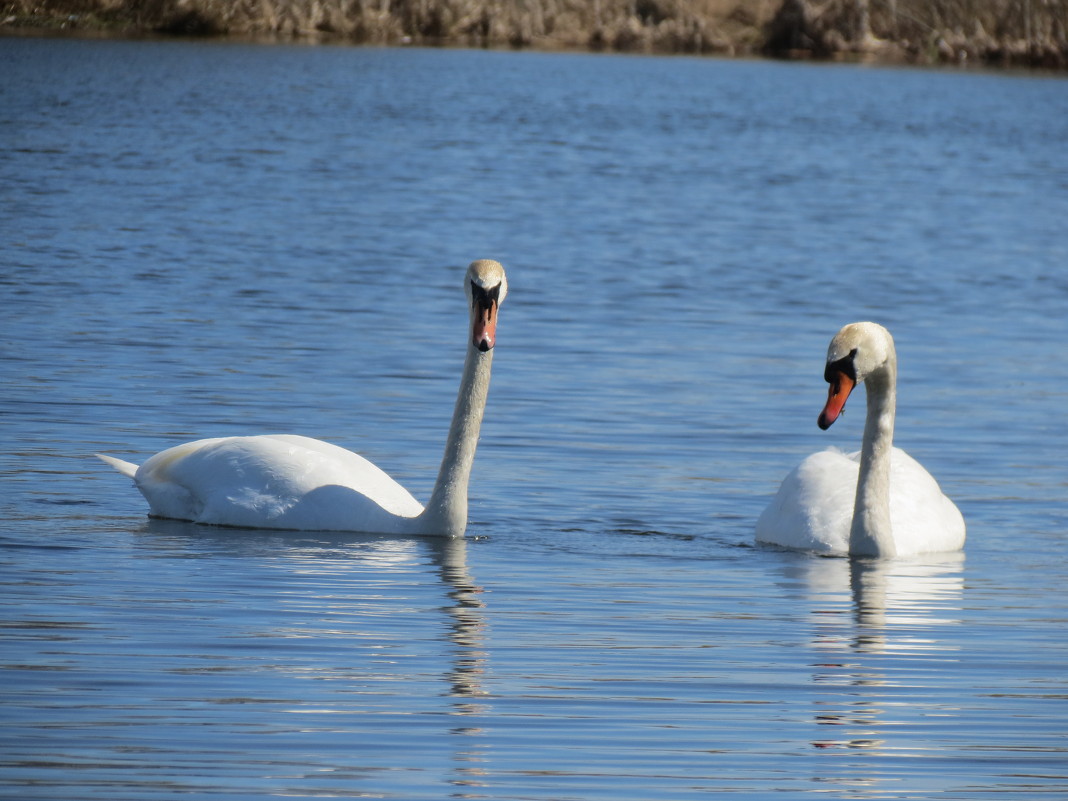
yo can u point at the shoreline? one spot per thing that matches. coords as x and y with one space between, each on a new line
791 30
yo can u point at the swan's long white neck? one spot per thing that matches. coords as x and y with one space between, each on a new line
446 511
870 533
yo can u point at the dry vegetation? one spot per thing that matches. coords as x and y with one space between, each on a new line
1027 32
1033 32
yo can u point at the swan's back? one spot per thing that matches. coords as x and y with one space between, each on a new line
274 481
923 519
813 509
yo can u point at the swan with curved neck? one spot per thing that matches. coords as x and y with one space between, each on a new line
285 481
879 502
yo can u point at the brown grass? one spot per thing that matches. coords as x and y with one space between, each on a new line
1031 32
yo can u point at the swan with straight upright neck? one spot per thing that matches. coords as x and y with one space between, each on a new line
285 481
879 502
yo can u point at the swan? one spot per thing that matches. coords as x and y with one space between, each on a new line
879 502
292 482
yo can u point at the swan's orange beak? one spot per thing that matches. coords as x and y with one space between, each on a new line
837 394
484 330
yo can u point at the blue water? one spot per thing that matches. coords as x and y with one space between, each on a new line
205 238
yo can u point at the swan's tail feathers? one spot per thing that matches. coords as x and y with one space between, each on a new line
126 468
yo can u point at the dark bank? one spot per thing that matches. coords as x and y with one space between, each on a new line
1019 33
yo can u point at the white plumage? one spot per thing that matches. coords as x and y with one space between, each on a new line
285 481
813 509
889 507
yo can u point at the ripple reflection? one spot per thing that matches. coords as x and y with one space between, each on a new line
876 628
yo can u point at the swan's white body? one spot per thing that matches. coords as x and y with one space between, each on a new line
284 481
877 502
813 509
273 481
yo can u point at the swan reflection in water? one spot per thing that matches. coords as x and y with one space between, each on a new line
876 625
353 583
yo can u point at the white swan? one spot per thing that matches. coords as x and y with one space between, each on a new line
878 502
293 482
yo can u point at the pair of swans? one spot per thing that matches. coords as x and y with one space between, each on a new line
882 504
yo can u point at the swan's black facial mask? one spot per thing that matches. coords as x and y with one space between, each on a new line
844 365
484 303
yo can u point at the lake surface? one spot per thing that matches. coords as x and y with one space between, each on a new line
205 238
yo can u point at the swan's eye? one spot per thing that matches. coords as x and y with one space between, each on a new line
844 365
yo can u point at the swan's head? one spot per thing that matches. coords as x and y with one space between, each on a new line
486 285
857 351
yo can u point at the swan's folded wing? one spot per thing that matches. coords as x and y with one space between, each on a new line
924 520
814 505
274 481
